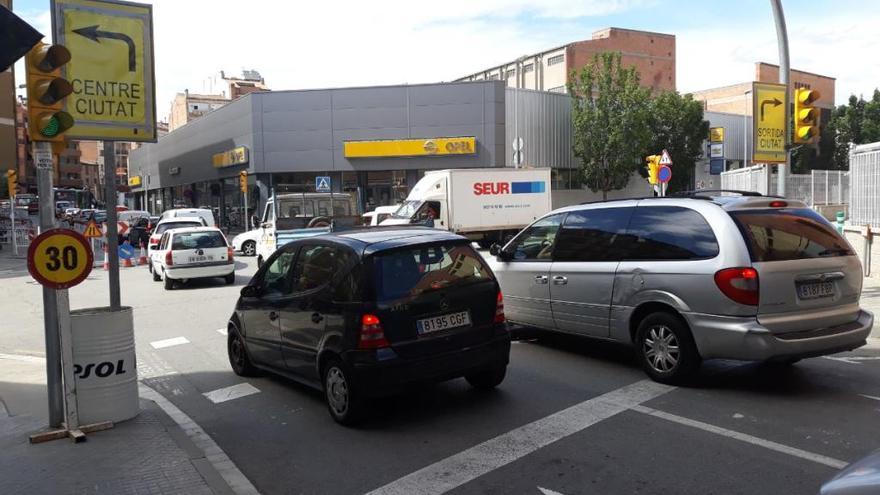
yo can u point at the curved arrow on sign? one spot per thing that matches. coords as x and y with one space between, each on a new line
93 33
775 102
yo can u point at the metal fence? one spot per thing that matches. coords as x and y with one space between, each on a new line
864 166
820 187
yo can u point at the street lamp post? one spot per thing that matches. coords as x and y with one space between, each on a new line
784 68
746 128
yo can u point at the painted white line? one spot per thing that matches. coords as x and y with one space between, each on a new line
161 344
841 359
229 393
743 437
237 481
476 461
548 492
223 331
24 358
870 397
864 358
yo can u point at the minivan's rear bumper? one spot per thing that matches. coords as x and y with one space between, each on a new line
744 338
389 373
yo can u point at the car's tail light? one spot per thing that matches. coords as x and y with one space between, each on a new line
153 241
499 308
739 284
372 335
169 259
229 254
778 204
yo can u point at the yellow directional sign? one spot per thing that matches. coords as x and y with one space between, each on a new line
111 68
92 230
716 134
59 258
770 128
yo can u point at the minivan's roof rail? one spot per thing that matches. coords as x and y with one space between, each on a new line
702 192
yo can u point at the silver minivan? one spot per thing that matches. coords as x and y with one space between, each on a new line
686 279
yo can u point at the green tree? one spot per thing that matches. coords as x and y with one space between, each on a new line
610 119
677 125
857 122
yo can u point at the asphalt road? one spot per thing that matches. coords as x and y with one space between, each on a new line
574 416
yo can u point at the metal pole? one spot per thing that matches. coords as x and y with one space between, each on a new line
245 221
746 129
12 221
784 68
54 387
71 415
516 151
112 227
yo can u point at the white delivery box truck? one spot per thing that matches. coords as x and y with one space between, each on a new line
483 204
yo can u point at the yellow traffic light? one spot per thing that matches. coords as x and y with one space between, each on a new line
242 181
653 166
806 115
47 120
12 182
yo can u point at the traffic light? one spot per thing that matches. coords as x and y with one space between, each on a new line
242 181
12 182
46 89
653 166
806 115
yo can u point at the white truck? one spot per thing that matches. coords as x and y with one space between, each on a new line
484 204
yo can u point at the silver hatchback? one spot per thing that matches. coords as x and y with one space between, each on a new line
687 279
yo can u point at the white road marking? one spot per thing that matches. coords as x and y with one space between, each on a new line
841 359
230 393
864 358
161 344
237 481
223 331
24 358
476 461
870 397
548 492
743 437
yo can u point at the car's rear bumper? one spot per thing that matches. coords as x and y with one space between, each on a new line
383 372
745 338
180 273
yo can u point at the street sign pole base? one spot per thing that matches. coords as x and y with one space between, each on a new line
76 435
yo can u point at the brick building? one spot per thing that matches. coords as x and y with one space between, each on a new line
187 107
652 55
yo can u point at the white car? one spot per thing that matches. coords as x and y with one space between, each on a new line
195 252
246 242
375 217
172 223
204 213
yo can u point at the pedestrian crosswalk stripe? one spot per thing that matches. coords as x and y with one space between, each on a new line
230 393
161 344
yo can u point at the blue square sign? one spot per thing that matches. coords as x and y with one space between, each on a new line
322 183
716 166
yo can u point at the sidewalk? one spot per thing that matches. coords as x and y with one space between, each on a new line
149 454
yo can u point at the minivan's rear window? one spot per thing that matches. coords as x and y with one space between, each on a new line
412 271
789 234
198 240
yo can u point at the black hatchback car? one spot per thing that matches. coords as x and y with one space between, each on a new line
362 314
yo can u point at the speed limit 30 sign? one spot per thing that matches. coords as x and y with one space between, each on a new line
59 258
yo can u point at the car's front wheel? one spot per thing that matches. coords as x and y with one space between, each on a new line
239 359
487 378
343 402
249 248
666 349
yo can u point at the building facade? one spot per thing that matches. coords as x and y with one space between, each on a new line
187 107
8 109
651 54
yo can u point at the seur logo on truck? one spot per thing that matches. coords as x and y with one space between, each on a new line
497 188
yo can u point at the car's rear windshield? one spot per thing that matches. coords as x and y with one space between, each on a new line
412 271
789 234
198 240
176 225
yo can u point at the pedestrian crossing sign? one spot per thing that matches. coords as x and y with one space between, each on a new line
322 183
92 230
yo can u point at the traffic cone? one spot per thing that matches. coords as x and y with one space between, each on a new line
106 259
143 259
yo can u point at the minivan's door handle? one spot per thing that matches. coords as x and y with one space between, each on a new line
541 279
317 318
273 315
560 280
821 277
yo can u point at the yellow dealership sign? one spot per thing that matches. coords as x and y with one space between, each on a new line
411 147
716 134
770 128
134 180
111 68
235 156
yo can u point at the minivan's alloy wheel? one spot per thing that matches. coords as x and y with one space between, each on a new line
337 391
666 348
344 405
249 248
238 356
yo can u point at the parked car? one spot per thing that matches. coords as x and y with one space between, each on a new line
100 216
188 253
246 242
859 478
205 214
172 223
364 313
375 217
687 279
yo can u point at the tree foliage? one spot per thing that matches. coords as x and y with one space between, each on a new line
677 125
857 122
610 119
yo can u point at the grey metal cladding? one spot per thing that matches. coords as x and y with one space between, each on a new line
280 101
340 136
368 118
321 139
383 97
446 94
544 124
448 114
276 120
735 126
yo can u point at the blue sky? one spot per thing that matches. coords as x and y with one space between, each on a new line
301 44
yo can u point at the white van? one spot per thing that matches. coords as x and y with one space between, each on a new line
203 213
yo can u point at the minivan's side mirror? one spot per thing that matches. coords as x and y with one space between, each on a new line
495 249
501 254
250 291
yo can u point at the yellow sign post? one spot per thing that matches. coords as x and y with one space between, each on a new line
111 69
769 125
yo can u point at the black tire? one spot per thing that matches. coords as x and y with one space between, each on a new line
239 359
249 248
343 402
156 276
169 284
229 279
666 349
150 266
487 378
319 222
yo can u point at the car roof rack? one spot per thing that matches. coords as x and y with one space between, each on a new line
702 192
